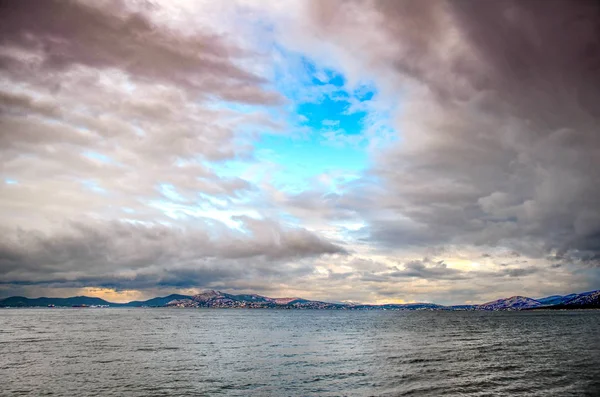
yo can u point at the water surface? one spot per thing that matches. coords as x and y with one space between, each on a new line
183 352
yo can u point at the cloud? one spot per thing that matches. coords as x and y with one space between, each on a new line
419 269
111 79
497 123
128 255
61 34
114 124
132 146
519 272
108 95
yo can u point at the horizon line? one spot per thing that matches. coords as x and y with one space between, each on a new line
312 300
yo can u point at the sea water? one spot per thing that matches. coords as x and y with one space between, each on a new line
240 352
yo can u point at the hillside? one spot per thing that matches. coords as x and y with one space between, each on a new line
21 301
512 303
588 300
218 299
157 302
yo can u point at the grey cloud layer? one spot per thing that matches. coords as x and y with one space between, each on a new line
498 122
126 255
62 33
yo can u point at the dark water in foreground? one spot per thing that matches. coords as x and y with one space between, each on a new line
147 352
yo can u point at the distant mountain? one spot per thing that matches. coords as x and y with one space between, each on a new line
157 302
285 301
559 299
551 300
224 300
587 300
512 303
21 301
219 299
583 300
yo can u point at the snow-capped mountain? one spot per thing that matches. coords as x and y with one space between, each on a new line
512 303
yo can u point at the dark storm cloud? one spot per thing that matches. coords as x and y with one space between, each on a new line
124 255
416 269
427 270
498 120
519 272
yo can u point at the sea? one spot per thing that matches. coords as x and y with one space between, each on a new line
266 352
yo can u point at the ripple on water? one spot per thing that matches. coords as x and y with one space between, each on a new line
297 353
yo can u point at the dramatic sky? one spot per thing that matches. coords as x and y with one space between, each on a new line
366 151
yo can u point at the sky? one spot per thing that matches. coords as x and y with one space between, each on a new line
384 151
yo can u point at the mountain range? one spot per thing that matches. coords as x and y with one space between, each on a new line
218 299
